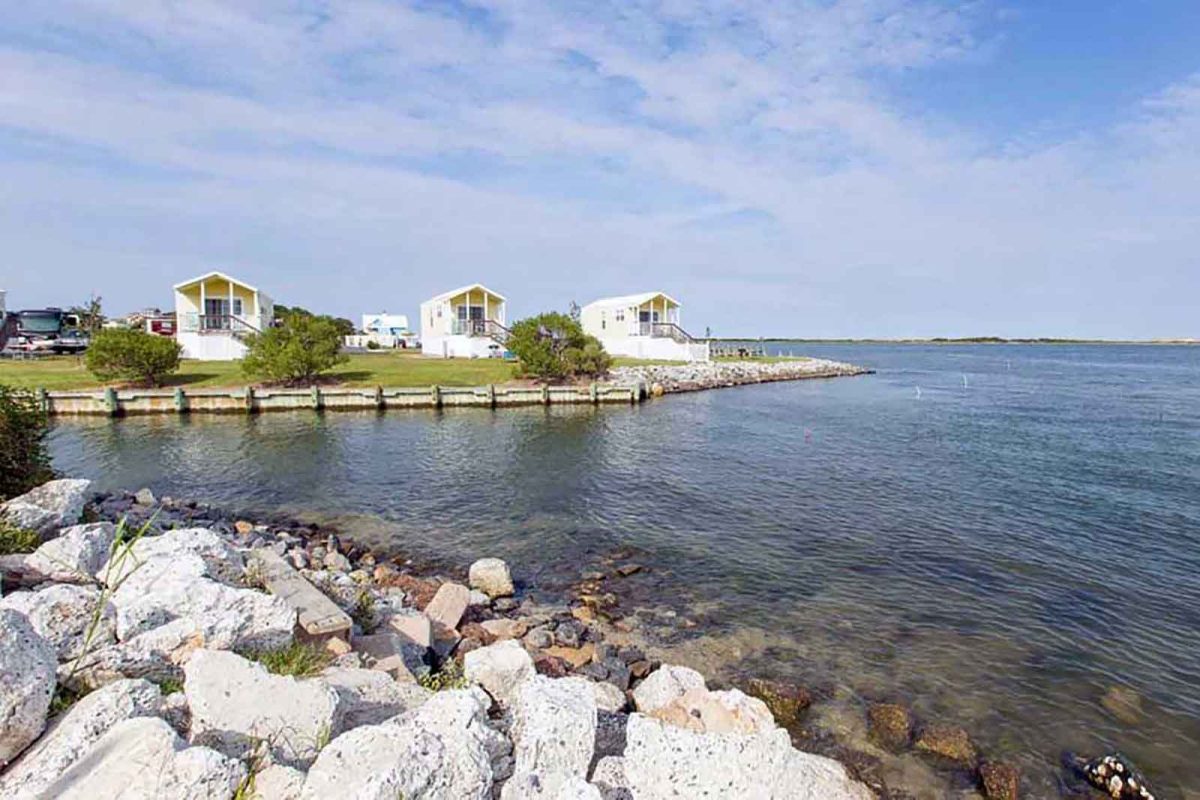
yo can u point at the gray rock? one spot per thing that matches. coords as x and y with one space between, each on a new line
392 654
442 750
144 759
74 733
411 625
491 576
553 733
504 604
144 497
27 680
664 685
369 697
164 589
569 633
610 734
77 555
539 638
68 616
578 789
478 598
500 669
336 561
235 703
664 761
175 711
53 505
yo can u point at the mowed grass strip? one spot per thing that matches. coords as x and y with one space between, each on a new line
390 369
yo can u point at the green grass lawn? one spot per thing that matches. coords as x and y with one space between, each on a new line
391 369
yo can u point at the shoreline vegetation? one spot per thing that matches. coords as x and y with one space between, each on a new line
266 657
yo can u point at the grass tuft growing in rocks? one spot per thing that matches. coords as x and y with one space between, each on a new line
15 540
450 676
297 659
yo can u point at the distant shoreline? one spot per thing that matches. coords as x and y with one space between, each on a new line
964 340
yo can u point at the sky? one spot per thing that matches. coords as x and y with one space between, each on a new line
810 168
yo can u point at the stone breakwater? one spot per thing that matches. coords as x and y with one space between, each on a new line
217 660
667 379
270 659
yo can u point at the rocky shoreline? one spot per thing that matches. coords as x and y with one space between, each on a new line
271 659
673 378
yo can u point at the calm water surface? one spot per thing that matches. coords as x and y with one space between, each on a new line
999 534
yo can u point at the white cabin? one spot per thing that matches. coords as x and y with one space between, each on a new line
215 312
468 322
645 325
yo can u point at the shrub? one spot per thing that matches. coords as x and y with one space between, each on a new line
553 346
295 352
373 345
132 355
449 677
24 461
15 540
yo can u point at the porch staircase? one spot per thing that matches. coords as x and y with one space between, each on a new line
496 332
669 330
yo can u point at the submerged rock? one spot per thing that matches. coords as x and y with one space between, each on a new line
945 741
786 701
890 725
1000 781
27 680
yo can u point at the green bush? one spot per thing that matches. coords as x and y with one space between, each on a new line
132 355
373 345
24 460
296 351
17 540
553 346
297 659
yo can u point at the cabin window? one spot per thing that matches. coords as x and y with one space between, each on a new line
237 306
603 320
620 315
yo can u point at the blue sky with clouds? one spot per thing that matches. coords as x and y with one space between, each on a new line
810 168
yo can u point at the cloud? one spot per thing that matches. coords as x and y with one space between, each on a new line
338 153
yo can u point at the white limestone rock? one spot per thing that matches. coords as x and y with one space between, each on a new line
608 697
27 663
553 733
277 782
442 750
167 588
158 655
491 576
63 614
500 669
369 697
609 777
664 761
729 711
578 789
73 734
221 562
53 505
664 685
143 759
235 702
77 555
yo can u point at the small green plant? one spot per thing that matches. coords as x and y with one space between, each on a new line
364 611
17 540
170 686
24 459
131 355
64 698
450 676
297 659
295 352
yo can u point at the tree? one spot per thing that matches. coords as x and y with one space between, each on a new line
552 346
296 351
24 460
132 355
91 314
345 327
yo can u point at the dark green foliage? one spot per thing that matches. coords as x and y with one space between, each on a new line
17 540
553 346
295 352
131 355
24 460
344 326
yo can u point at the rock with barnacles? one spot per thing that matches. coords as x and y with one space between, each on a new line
1116 776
